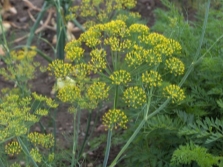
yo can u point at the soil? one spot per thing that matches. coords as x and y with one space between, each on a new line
43 83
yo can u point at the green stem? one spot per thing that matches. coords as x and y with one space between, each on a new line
2 164
3 34
61 31
26 151
79 25
34 27
116 96
108 146
86 136
54 129
74 142
148 103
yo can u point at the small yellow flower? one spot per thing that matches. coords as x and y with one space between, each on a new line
152 78
139 29
174 92
69 93
38 97
98 61
98 91
82 70
115 118
45 140
36 155
60 69
152 57
41 112
175 66
116 28
91 37
134 96
120 77
74 54
136 57
13 148
51 157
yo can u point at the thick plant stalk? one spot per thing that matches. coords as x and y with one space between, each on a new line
108 146
168 100
61 29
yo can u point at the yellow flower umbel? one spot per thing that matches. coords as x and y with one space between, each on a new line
151 78
13 148
120 77
37 157
116 28
175 66
134 97
74 53
98 91
136 57
91 38
60 69
20 67
139 29
117 45
174 92
114 118
98 61
44 140
69 93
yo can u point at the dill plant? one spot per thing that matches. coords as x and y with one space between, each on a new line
185 133
132 68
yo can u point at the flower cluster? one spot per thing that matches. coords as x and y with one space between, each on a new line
20 66
44 140
60 69
74 53
69 93
152 78
136 57
116 28
134 97
117 45
81 70
24 54
91 38
115 118
49 102
98 91
37 157
98 61
174 92
139 29
120 77
13 148
175 66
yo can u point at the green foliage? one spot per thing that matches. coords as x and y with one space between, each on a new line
190 153
208 129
